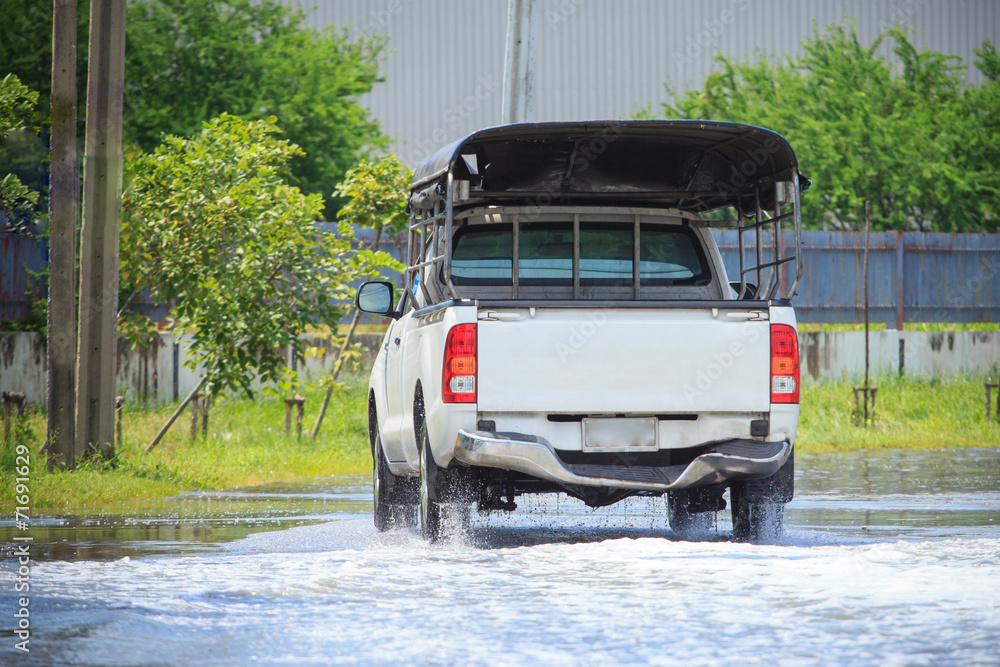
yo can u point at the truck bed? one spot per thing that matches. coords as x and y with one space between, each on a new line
623 360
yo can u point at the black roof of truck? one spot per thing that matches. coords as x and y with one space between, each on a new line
691 165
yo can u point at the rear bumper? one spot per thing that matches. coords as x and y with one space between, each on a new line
724 462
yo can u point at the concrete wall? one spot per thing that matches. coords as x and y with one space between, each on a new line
22 364
153 375
148 375
931 354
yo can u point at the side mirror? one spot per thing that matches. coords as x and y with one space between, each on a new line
376 298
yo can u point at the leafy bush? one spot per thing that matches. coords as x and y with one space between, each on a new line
212 226
911 137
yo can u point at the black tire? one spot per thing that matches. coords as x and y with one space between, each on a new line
394 498
759 504
393 501
444 494
755 521
431 485
444 505
684 522
431 506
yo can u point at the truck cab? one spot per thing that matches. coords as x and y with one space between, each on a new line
566 324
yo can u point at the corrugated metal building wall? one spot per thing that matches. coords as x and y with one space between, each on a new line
603 58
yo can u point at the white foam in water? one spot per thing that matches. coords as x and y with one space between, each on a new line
340 593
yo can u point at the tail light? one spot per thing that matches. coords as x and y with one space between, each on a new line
784 364
459 381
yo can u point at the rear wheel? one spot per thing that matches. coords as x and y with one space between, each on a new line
444 492
682 520
444 497
755 521
759 504
431 508
392 495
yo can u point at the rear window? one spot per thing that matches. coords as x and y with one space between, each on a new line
668 255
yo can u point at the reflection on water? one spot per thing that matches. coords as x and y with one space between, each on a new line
193 522
899 493
885 493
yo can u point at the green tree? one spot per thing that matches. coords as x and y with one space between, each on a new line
911 137
188 61
983 106
213 227
17 104
376 194
26 46
26 52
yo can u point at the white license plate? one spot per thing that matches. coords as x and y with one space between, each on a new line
619 434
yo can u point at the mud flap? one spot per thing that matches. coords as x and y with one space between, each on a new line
779 487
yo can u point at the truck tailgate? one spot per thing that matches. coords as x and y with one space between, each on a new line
628 360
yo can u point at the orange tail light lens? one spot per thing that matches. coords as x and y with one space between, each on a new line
459 380
784 364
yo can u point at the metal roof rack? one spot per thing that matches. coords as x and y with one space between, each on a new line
692 166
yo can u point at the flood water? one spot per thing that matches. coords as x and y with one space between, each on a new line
888 558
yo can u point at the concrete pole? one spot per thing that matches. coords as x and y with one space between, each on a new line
519 68
102 188
64 204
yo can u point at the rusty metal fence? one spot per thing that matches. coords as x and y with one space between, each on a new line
914 276
21 256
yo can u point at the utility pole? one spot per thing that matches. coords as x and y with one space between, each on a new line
102 192
519 68
64 204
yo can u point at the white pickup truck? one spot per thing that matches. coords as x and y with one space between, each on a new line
566 324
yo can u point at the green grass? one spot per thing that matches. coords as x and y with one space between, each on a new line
246 446
911 413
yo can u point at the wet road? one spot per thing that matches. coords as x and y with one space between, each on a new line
888 559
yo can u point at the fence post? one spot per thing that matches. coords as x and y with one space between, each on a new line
195 409
900 284
992 385
204 416
868 391
299 403
6 415
119 404
11 399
